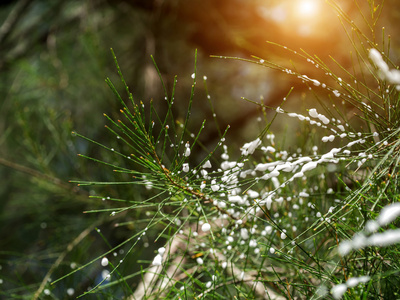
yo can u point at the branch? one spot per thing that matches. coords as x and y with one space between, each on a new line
32 172
60 259
12 19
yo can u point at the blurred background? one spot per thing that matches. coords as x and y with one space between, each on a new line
54 58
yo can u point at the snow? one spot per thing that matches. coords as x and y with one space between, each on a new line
157 261
315 82
345 247
301 160
338 290
377 59
336 93
228 165
264 167
323 119
386 238
249 148
253 194
268 201
309 166
104 262
270 175
354 281
268 149
253 243
286 167
187 151
244 233
215 187
371 226
328 138
207 165
205 227
388 214
393 76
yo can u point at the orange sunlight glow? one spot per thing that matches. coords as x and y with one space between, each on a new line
302 18
307 8
308 15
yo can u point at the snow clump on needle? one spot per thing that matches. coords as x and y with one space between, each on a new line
393 76
249 148
157 261
206 227
338 290
360 240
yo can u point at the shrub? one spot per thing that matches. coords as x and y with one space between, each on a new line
261 221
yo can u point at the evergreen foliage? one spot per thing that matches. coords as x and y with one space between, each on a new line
313 217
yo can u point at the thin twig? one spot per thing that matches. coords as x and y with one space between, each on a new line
60 259
32 172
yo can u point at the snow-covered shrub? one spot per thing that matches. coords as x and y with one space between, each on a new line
263 221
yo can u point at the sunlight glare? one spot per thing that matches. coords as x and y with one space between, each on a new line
305 18
307 8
